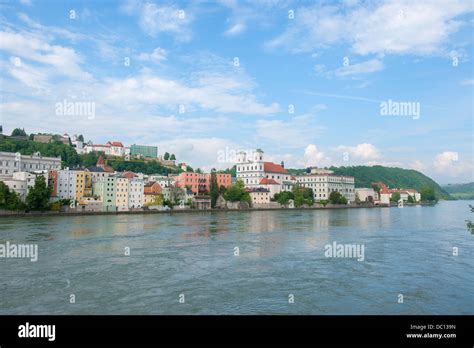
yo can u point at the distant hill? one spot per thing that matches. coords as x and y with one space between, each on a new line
392 177
460 191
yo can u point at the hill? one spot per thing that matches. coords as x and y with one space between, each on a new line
460 191
391 176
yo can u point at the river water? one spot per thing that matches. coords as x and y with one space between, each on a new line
187 263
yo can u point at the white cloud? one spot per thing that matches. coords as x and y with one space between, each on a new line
201 153
368 66
236 29
417 165
294 132
159 54
152 89
157 19
313 157
446 160
467 82
451 164
28 47
393 27
363 151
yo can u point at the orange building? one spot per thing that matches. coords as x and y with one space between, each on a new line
151 192
199 183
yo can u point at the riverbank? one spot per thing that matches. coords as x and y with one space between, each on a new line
182 211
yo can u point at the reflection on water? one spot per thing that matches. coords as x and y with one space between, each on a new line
407 251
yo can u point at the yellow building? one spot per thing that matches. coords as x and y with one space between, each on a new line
121 197
83 184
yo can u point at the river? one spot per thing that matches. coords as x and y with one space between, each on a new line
249 262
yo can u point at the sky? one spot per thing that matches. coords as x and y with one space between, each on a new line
311 83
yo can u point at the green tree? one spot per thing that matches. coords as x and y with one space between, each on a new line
39 194
302 195
80 138
17 132
336 197
469 223
213 188
410 199
428 194
173 157
236 193
9 200
284 197
166 157
395 197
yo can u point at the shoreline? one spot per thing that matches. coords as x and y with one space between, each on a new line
183 211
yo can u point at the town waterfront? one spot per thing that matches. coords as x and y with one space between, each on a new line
408 251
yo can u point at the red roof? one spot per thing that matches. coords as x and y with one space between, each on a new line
116 143
266 181
129 175
100 161
384 190
271 167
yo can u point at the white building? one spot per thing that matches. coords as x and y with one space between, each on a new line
122 192
163 180
136 193
111 148
367 194
66 184
18 186
324 182
15 162
252 170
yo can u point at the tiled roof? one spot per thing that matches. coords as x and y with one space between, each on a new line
116 143
129 175
100 161
266 181
271 167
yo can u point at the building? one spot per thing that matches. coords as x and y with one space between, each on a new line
259 196
367 194
201 182
252 169
121 193
405 193
66 184
270 185
111 148
164 181
144 151
136 193
152 193
22 182
106 189
83 184
384 195
202 202
324 182
48 138
255 172
15 162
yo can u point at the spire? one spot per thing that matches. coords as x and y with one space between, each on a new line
100 161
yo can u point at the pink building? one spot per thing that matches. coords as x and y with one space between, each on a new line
199 183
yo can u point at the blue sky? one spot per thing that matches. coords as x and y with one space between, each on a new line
307 89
